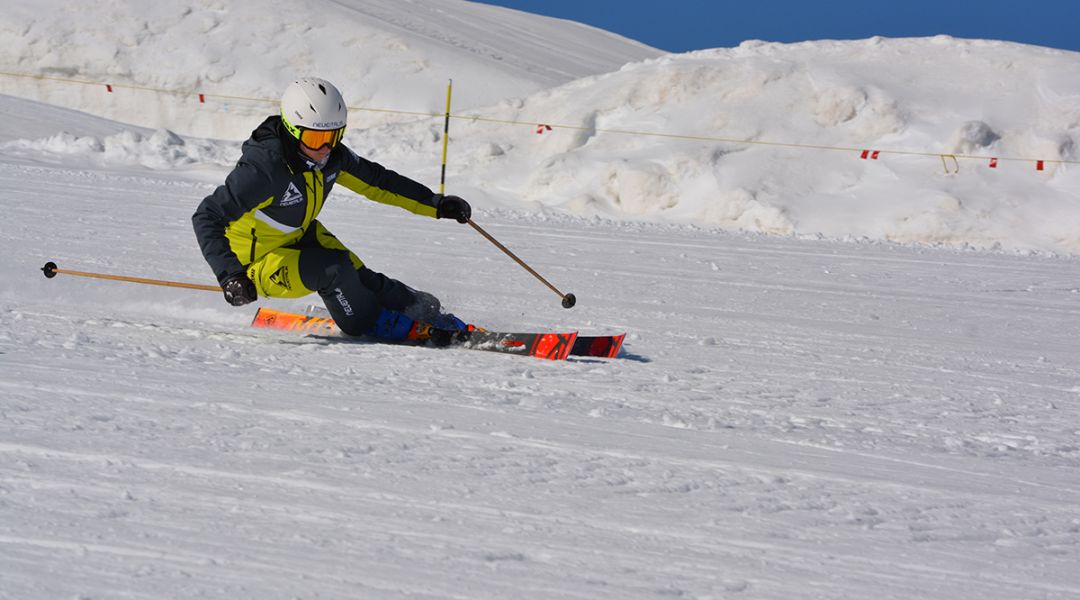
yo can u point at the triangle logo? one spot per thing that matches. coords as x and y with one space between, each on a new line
292 196
281 278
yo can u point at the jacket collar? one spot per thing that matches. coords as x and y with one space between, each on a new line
272 132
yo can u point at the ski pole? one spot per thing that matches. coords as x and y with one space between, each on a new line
568 300
50 270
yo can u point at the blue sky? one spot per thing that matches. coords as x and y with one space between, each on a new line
681 25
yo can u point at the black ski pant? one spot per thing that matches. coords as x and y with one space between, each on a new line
353 296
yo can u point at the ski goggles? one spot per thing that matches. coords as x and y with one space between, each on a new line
317 138
314 138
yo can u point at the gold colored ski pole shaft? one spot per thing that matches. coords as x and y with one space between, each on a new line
568 300
50 270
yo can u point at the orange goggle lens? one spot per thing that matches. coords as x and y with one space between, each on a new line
317 138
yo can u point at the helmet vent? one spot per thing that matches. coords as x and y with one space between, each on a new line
322 89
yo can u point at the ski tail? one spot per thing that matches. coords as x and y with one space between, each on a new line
267 318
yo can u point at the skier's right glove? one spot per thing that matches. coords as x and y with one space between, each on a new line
454 207
239 290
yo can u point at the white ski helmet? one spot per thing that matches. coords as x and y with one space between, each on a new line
313 103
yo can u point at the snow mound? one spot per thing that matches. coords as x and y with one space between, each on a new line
784 125
161 149
381 53
763 137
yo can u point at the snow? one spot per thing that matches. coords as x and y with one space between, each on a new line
843 379
383 54
763 137
829 99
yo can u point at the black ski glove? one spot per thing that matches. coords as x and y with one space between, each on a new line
239 290
454 207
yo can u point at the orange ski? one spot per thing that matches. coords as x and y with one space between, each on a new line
551 346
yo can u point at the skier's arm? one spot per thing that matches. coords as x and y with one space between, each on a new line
244 189
380 184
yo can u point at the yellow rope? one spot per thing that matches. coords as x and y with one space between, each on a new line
533 123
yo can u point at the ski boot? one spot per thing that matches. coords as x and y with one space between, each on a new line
392 325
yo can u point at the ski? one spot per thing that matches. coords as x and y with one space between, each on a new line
551 346
603 346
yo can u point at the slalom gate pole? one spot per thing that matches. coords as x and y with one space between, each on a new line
50 270
568 300
445 138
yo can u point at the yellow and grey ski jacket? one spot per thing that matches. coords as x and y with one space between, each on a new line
273 195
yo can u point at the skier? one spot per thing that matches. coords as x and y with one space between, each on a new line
260 235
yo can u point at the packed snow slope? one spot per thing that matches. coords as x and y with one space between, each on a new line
789 418
762 137
803 409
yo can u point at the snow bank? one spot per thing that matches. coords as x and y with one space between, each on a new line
161 149
805 110
784 123
382 53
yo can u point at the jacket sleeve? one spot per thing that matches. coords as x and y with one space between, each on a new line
244 189
380 184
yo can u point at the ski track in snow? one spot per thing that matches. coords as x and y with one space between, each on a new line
789 418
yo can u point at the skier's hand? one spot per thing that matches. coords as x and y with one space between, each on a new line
454 207
239 290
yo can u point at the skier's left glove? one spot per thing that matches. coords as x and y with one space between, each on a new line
454 207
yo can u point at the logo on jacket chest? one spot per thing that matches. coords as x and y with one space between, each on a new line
292 196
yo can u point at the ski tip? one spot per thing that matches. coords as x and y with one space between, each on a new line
616 345
601 346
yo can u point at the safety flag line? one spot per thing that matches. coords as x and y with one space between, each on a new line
1040 164
874 155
